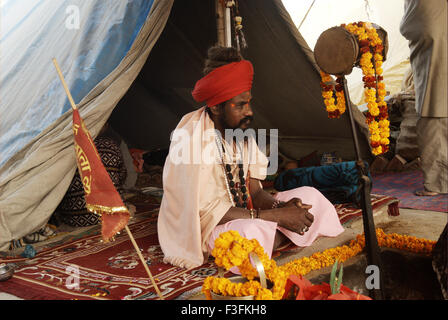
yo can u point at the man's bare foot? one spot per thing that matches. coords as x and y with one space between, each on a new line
280 241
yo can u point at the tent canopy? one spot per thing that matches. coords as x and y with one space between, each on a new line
286 92
135 63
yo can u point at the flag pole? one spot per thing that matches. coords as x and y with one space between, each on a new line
143 262
69 95
136 247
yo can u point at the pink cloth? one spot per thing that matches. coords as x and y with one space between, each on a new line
326 222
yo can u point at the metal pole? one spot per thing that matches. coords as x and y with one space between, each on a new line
373 250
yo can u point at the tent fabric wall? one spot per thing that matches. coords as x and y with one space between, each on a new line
286 91
287 87
35 179
88 38
161 94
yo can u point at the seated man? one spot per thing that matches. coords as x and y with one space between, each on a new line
212 185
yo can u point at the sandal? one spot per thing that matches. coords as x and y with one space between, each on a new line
40 235
426 193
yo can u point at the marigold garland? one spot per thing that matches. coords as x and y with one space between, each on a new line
328 257
371 47
328 87
233 250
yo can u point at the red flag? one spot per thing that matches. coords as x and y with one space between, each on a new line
101 196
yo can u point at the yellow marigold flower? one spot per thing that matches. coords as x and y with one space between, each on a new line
384 134
373 126
377 150
378 57
384 123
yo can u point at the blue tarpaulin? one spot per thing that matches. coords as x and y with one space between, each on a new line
88 38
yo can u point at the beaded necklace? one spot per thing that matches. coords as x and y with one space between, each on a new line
232 187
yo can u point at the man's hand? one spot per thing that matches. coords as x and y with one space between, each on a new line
294 216
297 202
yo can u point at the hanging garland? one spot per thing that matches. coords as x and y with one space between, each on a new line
371 47
335 110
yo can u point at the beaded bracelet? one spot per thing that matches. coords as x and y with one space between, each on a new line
251 213
255 212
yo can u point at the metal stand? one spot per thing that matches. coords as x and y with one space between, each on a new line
373 250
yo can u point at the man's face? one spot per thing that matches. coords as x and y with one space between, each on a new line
237 113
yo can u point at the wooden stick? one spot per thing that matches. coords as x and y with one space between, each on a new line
67 91
303 20
64 84
228 29
220 25
144 262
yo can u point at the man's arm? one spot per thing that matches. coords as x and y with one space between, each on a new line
291 216
264 200
260 198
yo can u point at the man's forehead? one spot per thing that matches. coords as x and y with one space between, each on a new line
245 96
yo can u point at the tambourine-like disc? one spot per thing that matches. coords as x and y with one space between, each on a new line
336 51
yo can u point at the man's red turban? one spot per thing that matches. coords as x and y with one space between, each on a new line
224 83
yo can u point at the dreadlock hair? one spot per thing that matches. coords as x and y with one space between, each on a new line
218 56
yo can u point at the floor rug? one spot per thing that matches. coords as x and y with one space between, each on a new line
107 271
113 271
349 212
402 185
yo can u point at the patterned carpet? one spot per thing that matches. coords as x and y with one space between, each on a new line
349 213
107 271
113 271
401 185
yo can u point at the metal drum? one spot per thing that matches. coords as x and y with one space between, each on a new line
337 50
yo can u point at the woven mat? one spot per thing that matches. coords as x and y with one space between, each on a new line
109 271
113 271
348 212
